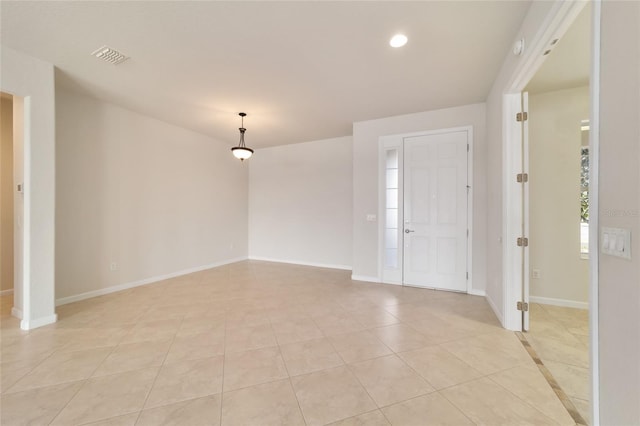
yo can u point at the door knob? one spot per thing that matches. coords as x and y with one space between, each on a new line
406 231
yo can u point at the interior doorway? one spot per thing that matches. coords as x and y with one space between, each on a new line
6 202
550 267
425 209
557 161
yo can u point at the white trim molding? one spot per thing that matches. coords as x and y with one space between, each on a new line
38 322
6 292
302 263
475 292
365 278
16 312
150 280
559 302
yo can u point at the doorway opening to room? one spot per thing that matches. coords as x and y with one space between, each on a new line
425 209
11 206
548 216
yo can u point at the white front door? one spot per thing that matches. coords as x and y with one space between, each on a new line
435 211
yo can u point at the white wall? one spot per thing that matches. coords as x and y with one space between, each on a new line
365 181
6 194
619 286
152 197
300 203
555 140
33 80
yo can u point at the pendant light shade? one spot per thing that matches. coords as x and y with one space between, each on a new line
242 152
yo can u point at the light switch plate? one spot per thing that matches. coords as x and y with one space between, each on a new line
616 242
371 217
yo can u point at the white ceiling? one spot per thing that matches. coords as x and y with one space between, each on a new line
568 63
301 70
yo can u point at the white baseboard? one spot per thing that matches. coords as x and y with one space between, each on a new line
16 312
297 262
559 302
125 286
6 292
365 278
475 292
495 310
38 322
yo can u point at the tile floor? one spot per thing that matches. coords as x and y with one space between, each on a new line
257 343
560 336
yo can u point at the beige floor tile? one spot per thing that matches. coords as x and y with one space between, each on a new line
487 403
331 395
389 380
309 356
337 323
96 338
195 412
9 377
134 356
550 330
126 420
62 367
401 338
584 408
155 330
432 409
253 318
439 330
572 353
194 326
184 380
376 317
411 312
372 418
256 306
359 346
490 353
573 380
250 368
36 406
529 385
109 396
195 346
439 367
248 338
296 331
266 404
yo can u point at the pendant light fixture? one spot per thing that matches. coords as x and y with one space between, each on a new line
242 152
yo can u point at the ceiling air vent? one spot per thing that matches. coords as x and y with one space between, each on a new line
110 55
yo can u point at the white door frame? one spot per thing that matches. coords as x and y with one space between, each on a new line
557 23
397 141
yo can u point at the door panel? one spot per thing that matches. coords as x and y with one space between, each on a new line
435 208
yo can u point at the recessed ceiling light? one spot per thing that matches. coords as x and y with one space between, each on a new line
398 40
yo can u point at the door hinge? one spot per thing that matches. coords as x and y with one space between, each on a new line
523 242
467 147
467 275
522 177
467 233
522 116
523 306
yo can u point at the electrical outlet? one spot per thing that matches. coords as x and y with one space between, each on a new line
113 266
535 274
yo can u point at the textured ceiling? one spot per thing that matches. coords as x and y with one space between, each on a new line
301 70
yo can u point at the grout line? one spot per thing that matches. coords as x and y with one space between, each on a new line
159 371
562 396
224 361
